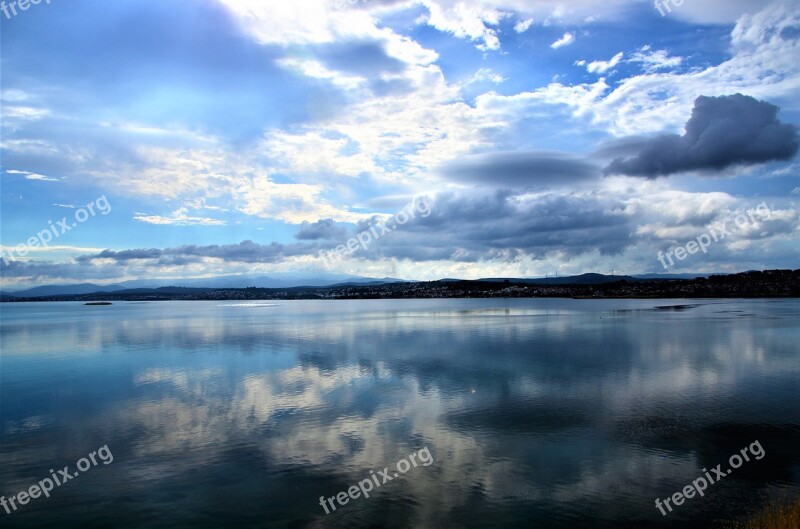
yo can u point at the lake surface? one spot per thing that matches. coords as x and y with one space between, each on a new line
546 413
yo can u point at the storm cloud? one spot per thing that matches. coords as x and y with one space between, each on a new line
505 225
722 132
520 169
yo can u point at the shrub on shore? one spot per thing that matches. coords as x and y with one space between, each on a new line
779 515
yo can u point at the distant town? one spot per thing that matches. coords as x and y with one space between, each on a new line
757 284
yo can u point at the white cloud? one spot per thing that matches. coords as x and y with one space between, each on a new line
398 138
34 176
42 178
178 218
313 153
604 66
473 21
315 69
523 25
763 65
14 95
24 113
654 60
292 203
301 22
486 74
565 40
477 20
52 248
320 22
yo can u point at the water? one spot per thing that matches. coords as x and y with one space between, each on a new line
536 413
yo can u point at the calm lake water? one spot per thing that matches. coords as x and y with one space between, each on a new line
538 413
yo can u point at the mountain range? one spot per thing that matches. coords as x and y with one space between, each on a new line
290 280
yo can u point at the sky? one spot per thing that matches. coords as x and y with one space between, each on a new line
167 139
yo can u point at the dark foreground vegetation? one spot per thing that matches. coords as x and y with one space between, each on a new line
779 515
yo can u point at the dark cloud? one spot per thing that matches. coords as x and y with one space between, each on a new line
570 223
609 150
322 229
124 255
367 58
520 169
722 132
504 226
471 227
461 227
244 252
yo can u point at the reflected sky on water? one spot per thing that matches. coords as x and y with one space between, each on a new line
538 413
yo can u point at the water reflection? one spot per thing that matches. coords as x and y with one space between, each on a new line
561 413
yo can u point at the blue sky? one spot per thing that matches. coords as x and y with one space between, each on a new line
547 136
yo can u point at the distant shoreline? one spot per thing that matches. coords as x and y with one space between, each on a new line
767 284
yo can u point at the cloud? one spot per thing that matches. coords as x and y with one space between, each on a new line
42 178
478 20
475 22
301 112
506 226
322 229
654 60
523 25
604 66
722 132
565 40
179 218
367 58
34 176
762 64
478 234
51 249
520 169
462 227
486 74
244 252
